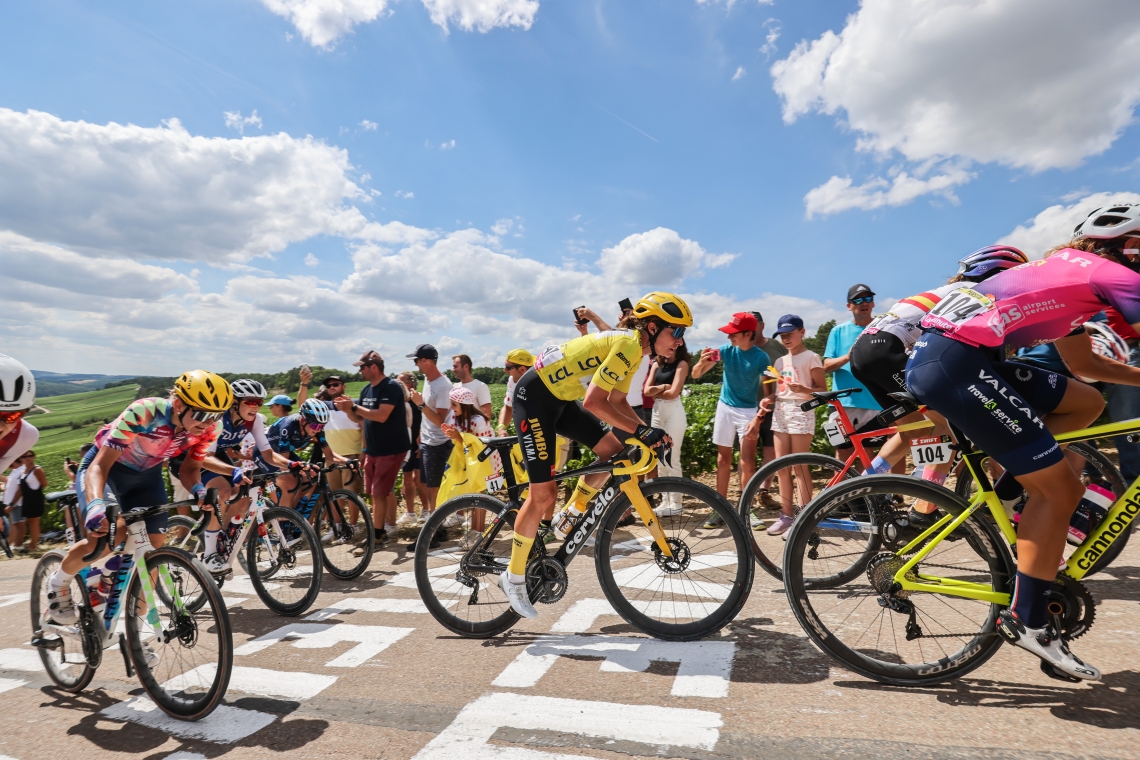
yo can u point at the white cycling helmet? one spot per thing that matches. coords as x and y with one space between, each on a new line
17 386
315 411
1106 341
1110 222
248 389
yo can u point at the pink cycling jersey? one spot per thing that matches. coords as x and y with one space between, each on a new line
1038 302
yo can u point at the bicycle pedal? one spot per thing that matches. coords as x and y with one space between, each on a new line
40 642
1051 671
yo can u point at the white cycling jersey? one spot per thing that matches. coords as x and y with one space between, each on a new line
905 317
16 443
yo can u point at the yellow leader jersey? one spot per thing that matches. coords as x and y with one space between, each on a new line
608 358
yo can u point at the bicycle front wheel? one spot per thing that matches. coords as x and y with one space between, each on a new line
186 669
64 661
784 486
692 594
346 533
284 563
867 623
458 577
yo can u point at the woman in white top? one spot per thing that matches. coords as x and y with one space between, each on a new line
469 419
24 499
801 374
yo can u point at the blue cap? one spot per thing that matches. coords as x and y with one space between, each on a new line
282 399
788 323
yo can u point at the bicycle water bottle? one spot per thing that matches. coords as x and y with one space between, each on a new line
565 521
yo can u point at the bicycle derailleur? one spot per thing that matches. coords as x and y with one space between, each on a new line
881 572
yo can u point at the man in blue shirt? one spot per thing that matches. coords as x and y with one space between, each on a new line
861 407
740 394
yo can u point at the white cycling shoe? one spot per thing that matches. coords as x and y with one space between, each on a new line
216 564
61 607
517 596
1046 644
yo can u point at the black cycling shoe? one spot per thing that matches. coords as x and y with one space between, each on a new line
916 523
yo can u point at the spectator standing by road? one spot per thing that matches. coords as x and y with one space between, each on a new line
461 366
666 381
413 477
801 374
519 360
435 403
387 439
344 434
837 357
737 411
24 497
281 405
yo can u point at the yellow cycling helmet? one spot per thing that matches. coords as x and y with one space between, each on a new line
204 390
665 306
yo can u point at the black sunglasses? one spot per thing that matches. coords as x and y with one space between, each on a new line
509 367
862 299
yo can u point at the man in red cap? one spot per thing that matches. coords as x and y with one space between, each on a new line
737 412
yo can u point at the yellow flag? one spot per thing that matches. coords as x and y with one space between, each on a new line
464 472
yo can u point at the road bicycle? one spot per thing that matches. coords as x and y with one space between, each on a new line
921 608
342 521
809 474
276 547
68 503
182 653
667 577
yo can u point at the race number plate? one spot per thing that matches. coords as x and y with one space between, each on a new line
835 434
957 308
933 450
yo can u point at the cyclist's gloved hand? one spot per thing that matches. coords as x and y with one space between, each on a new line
237 476
650 436
96 521
296 466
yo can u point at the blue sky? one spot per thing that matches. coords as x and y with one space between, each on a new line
463 172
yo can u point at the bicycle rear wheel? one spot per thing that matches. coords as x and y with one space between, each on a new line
458 580
694 594
869 625
195 653
284 564
346 543
65 664
795 479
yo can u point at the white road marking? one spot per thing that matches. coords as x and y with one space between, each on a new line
15 598
234 601
373 639
705 666
443 581
7 684
370 604
21 659
181 755
260 681
241 584
584 613
476 723
224 725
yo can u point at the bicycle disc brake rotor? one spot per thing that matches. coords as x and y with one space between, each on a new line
881 572
679 562
1071 602
546 579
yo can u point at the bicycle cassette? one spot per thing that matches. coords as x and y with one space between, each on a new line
546 580
1071 607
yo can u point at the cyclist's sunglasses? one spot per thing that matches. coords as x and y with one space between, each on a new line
862 299
9 417
678 332
201 415
316 427
254 402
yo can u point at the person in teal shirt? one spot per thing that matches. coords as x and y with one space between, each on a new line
861 407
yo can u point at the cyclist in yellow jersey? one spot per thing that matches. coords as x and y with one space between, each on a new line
596 369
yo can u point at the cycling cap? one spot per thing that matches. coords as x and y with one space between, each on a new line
315 411
1110 222
204 390
990 260
521 357
463 395
248 389
17 386
665 306
1106 341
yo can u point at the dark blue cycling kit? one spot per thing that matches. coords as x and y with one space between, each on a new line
288 436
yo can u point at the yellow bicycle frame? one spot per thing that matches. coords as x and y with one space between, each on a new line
632 491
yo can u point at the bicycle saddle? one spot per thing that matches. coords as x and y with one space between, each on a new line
905 397
832 395
500 442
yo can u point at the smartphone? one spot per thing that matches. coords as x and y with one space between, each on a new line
714 354
578 320
625 305
305 367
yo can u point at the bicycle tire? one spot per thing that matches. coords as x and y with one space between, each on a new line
439 595
360 539
197 627
992 558
1108 472
280 524
70 677
639 610
772 559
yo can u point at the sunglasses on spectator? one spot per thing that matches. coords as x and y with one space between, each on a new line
862 299
509 367
10 417
29 455
253 402
336 384
201 415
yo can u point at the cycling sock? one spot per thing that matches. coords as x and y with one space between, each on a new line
211 546
879 466
1007 488
582 495
1031 600
934 476
520 551
59 579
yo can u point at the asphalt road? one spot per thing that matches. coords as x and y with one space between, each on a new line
383 680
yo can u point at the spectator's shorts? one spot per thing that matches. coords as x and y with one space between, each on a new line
997 404
787 417
414 461
878 361
434 462
730 423
16 513
541 417
766 437
130 489
380 473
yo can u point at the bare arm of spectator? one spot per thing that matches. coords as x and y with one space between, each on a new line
704 364
303 391
830 365
356 413
435 416
505 417
598 322
670 392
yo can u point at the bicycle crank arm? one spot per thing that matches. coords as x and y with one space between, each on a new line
647 515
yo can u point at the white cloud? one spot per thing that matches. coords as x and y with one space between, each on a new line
502 226
986 81
840 194
369 126
771 38
657 257
405 194
1055 224
447 145
323 22
311 260
482 15
162 193
234 120
740 72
